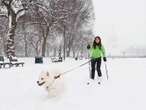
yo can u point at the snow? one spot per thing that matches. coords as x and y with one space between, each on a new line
125 89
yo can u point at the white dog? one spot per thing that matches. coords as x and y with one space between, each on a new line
47 80
53 83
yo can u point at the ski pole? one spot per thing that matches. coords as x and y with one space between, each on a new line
89 63
106 70
89 68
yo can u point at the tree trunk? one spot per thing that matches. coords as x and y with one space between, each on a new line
25 40
74 55
13 12
64 46
68 52
44 46
26 45
44 42
2 45
11 33
54 54
60 52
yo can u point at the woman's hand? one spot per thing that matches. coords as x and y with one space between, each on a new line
104 59
88 46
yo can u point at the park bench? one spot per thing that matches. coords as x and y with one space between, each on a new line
38 60
3 63
14 62
56 59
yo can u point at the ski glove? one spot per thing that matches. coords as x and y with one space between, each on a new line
88 46
104 59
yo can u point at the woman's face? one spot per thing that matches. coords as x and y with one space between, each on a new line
97 40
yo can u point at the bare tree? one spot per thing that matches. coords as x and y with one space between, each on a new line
66 17
14 11
79 13
49 15
3 30
35 40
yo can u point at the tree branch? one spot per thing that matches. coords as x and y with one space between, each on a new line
19 11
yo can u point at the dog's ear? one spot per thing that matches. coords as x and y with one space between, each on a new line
47 73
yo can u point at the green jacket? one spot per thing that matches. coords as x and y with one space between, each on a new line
97 52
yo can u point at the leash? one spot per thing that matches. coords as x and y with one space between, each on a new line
75 68
71 70
58 76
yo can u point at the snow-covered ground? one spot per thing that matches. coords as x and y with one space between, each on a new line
125 89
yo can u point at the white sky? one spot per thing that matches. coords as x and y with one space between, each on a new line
121 21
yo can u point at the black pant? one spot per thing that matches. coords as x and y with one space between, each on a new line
95 63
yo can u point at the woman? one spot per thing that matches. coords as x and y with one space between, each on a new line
97 52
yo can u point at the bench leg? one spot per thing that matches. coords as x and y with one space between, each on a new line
10 65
